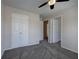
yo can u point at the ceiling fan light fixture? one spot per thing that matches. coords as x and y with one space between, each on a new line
51 6
51 2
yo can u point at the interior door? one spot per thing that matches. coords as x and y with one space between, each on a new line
19 30
56 30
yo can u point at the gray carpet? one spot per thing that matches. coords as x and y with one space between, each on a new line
43 50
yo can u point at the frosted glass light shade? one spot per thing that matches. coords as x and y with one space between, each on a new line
51 2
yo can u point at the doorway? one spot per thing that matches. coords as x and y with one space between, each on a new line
45 29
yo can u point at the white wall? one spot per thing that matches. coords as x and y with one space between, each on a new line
35 29
69 28
2 29
50 34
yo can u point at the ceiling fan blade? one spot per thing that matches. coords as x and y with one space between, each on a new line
61 0
43 4
51 6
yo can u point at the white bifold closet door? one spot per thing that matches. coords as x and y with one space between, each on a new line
20 27
56 30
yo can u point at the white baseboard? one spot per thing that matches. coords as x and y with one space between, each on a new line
32 43
69 49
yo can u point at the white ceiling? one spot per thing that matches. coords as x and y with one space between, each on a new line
32 5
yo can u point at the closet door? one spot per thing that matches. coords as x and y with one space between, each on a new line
56 30
20 26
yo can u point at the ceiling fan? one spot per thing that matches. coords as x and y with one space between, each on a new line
51 3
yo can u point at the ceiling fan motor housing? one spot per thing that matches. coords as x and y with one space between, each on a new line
51 6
